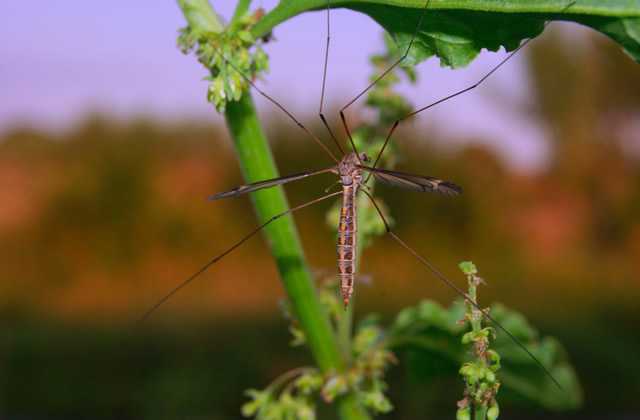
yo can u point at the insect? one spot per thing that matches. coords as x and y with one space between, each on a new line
351 169
354 170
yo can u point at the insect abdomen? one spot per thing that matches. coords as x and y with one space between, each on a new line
347 243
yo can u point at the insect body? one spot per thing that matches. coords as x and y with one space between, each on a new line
351 179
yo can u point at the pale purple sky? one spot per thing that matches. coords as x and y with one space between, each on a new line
64 59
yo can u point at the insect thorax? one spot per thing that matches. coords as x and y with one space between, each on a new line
348 169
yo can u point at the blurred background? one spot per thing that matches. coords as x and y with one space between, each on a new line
108 150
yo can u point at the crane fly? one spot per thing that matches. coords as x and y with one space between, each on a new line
351 177
351 169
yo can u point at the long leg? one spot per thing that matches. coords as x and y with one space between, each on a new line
353 145
461 91
282 108
380 77
457 289
228 251
324 79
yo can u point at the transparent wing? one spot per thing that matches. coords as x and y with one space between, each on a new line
414 182
244 189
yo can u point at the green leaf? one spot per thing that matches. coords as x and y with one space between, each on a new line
428 330
456 31
523 376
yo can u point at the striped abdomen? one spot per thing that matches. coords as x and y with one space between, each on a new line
347 238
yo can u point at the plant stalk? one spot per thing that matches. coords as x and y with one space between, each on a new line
200 15
241 8
257 164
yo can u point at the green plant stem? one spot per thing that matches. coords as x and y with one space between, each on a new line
200 15
475 315
241 8
257 164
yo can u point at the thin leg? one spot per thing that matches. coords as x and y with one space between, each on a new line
461 91
282 108
324 80
228 251
384 146
353 145
458 290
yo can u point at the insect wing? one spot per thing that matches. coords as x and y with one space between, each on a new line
244 189
415 182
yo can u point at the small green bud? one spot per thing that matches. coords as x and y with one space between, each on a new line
216 93
490 376
261 60
305 411
309 383
468 337
299 338
468 268
494 411
472 372
259 399
229 56
376 401
236 85
494 358
485 332
246 36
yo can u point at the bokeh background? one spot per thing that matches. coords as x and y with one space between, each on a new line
108 149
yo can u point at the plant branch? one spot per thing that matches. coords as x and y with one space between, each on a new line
241 8
257 163
200 15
